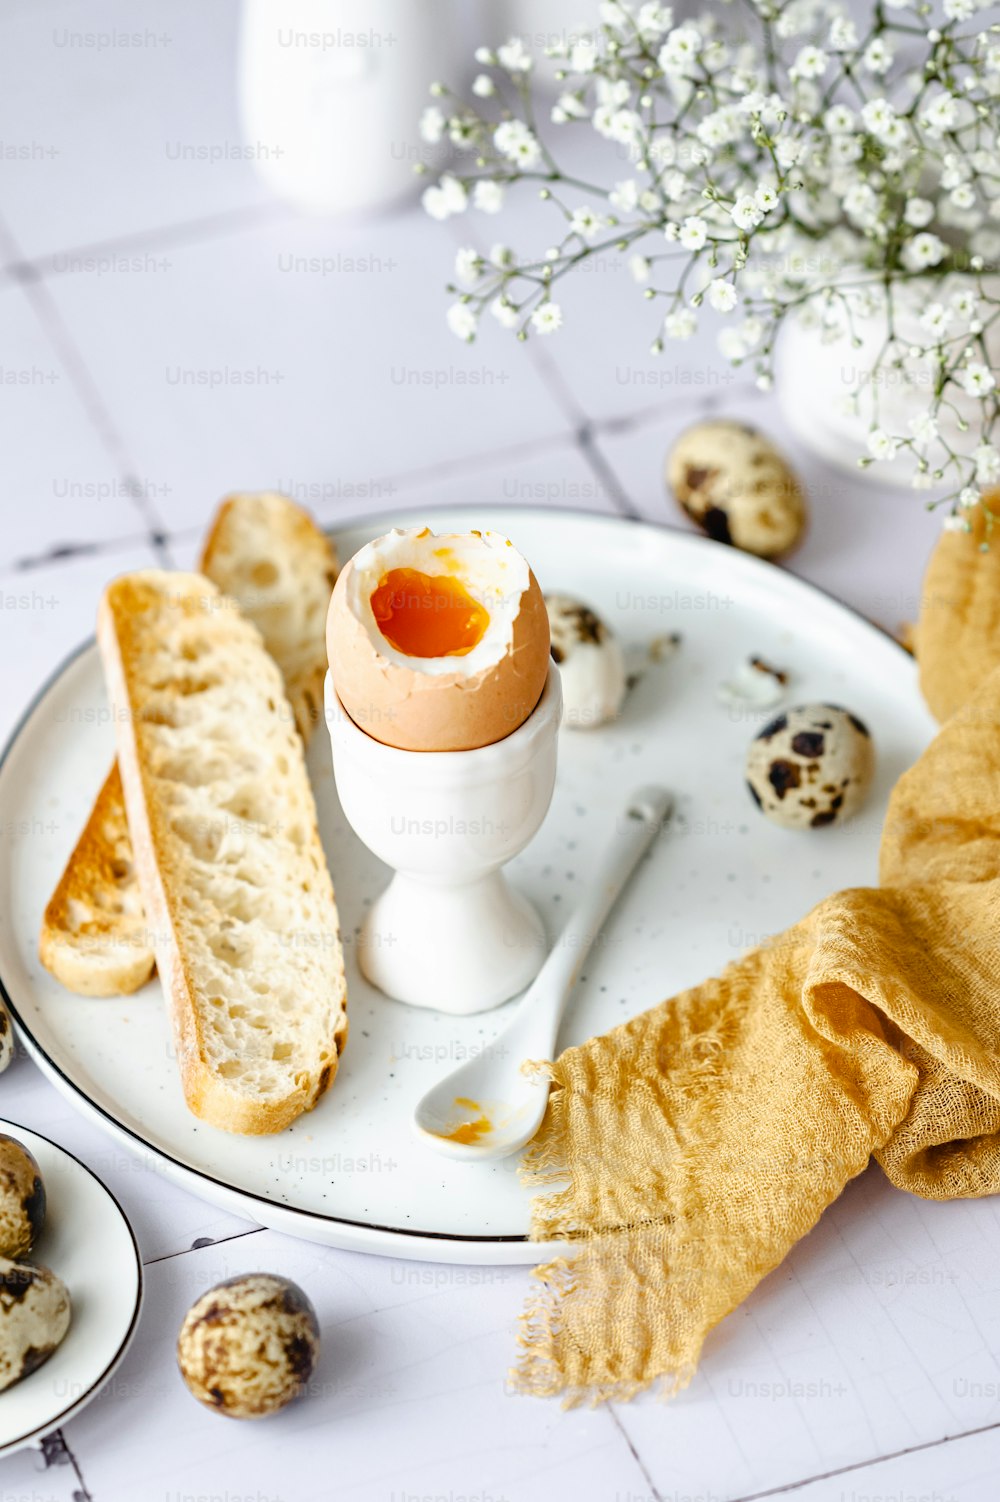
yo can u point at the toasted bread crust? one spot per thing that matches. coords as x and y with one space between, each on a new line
137 612
92 936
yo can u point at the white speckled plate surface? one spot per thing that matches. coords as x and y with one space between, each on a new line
88 1243
352 1173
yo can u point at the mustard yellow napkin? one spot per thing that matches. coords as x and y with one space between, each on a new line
687 1151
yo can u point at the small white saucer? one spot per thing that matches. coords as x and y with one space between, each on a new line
89 1244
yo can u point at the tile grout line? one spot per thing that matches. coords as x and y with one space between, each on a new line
612 1411
870 1464
183 233
55 1450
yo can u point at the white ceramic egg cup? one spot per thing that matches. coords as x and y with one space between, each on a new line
448 932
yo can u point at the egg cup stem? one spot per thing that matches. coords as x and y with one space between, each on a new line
449 932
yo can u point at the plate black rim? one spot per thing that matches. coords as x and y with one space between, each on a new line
12 1446
347 525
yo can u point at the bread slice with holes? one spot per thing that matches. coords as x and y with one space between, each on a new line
268 554
233 878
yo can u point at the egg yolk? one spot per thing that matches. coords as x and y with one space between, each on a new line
424 615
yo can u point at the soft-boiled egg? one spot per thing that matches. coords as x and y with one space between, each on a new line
438 643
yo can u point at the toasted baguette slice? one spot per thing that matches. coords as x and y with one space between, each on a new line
272 558
232 873
94 936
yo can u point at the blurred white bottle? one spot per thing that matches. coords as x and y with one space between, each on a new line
331 92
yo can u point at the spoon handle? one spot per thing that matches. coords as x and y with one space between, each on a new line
644 815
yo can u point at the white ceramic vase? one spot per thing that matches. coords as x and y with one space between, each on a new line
818 370
331 92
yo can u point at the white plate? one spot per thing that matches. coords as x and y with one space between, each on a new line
88 1243
351 1173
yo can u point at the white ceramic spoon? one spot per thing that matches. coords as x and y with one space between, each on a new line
488 1108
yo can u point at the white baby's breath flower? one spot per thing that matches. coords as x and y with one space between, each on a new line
744 213
585 223
488 196
483 86
839 120
514 56
878 56
502 256
959 10
624 196
583 55
881 445
978 379
922 251
446 198
924 427
679 53
547 318
731 344
987 460
954 523
641 268
935 318
462 321
940 115
515 141
918 212
963 303
963 197
485 56
570 108
766 197
653 20
505 313
693 232
878 116
843 34
968 497
468 265
432 125
722 295
680 324
811 62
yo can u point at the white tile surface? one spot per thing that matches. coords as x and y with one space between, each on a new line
106 129
408 1398
867 544
878 1334
61 485
229 371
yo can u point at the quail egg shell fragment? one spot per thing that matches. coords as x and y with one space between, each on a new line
590 661
811 767
22 1198
34 1317
734 483
248 1346
754 685
457 657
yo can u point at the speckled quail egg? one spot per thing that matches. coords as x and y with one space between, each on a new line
590 660
22 1198
6 1038
249 1345
811 767
734 483
34 1318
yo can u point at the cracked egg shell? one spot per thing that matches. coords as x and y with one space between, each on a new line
734 483
248 1346
34 1317
590 661
438 642
22 1198
811 767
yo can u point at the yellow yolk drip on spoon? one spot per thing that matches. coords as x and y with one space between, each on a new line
424 615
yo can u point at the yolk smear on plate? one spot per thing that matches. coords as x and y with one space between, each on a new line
469 1131
424 615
